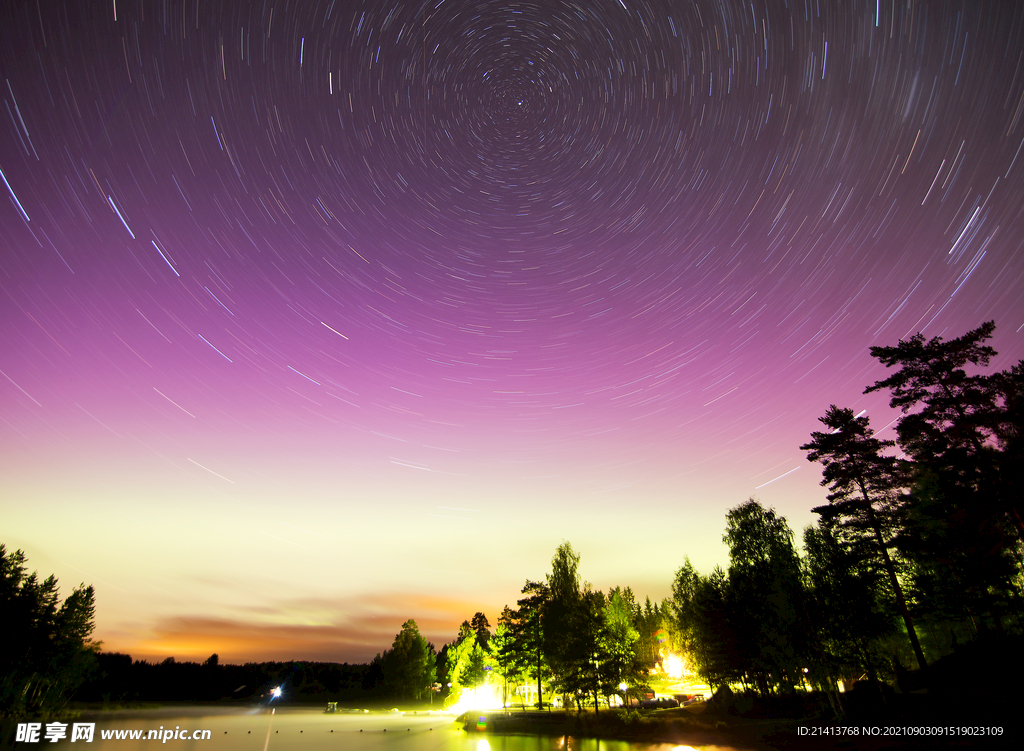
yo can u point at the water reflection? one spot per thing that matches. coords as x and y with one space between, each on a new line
312 730
570 743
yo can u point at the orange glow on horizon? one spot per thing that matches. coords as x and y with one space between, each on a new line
349 630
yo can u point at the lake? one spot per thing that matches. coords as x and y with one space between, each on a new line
245 729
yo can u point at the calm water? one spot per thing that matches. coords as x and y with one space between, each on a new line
245 730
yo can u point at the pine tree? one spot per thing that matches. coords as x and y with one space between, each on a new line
865 495
963 526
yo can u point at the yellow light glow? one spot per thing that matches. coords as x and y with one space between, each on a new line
673 665
481 697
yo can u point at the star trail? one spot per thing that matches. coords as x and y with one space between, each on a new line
322 315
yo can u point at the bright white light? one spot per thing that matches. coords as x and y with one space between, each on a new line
673 666
276 693
481 697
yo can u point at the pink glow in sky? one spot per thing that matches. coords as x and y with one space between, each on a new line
321 317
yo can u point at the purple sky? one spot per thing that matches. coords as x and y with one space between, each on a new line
318 316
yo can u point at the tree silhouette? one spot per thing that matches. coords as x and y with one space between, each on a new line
846 614
960 418
46 653
703 622
865 494
963 526
481 627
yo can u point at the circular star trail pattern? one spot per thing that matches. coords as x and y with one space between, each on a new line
478 274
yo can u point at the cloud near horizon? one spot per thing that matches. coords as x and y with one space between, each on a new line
324 630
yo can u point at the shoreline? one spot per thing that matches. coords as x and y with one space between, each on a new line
728 731
677 726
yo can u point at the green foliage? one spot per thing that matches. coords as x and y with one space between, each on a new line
408 667
622 661
562 617
508 665
766 597
588 641
573 637
701 608
647 620
466 659
580 666
620 635
46 654
528 634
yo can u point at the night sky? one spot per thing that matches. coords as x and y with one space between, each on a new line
322 315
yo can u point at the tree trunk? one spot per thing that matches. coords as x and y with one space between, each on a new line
540 697
891 571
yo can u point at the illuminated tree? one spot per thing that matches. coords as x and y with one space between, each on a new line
765 597
588 640
408 667
703 624
580 667
562 615
461 669
562 607
502 648
528 634
621 640
648 621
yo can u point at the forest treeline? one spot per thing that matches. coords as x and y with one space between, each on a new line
917 551
120 679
